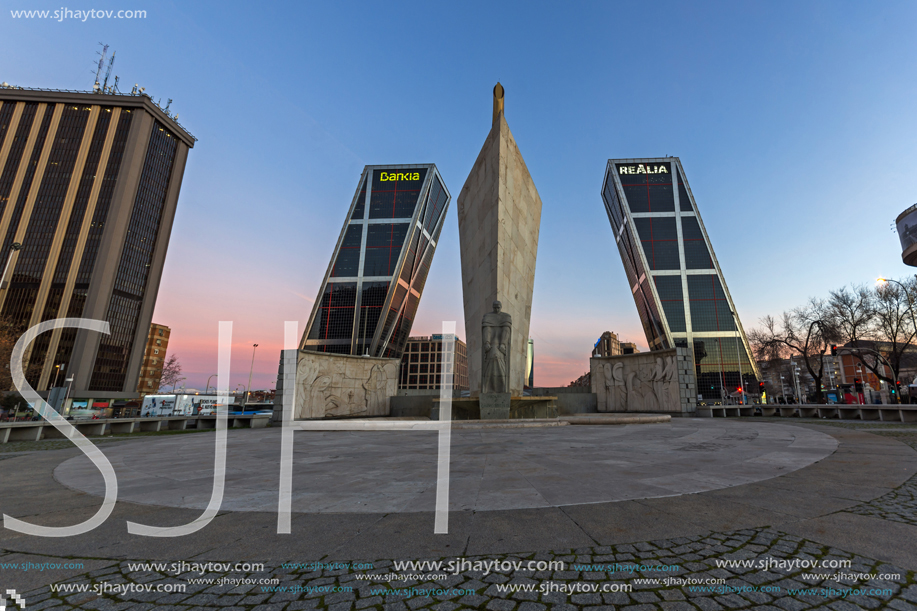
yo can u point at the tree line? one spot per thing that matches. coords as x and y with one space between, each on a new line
875 324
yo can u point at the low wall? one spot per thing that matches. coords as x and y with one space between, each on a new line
414 406
331 385
570 399
647 382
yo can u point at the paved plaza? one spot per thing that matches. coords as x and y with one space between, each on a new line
694 514
491 468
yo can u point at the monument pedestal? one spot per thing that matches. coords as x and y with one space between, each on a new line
495 406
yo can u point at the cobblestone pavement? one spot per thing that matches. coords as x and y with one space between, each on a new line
899 505
764 582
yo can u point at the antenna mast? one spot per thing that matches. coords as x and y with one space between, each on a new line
95 87
111 62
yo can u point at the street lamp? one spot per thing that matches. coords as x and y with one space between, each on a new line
13 248
69 382
782 389
56 373
248 390
208 383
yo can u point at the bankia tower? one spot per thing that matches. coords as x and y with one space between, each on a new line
370 293
89 185
673 273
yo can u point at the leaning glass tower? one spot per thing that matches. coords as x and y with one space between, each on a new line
370 293
673 274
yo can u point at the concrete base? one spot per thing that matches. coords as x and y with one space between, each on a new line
177 425
470 408
26 433
122 428
495 406
150 427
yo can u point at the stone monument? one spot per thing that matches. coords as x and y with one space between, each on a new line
658 381
499 215
328 385
497 343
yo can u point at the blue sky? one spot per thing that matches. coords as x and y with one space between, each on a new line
794 122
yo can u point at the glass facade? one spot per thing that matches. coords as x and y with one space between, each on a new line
136 257
94 238
679 291
62 183
371 292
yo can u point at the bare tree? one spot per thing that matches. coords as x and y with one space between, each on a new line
806 332
171 371
881 326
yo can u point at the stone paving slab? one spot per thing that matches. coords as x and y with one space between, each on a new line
390 472
678 530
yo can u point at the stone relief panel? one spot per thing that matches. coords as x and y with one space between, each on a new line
334 385
659 381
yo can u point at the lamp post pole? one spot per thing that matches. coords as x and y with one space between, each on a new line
248 390
208 383
69 382
13 248
57 373
735 319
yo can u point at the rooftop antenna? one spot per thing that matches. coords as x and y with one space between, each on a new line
111 62
95 87
169 103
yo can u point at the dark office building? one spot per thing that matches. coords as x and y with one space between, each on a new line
88 187
674 276
372 288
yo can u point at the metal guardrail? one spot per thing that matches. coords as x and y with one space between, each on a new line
34 431
881 412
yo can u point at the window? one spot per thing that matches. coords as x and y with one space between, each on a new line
670 295
660 241
696 254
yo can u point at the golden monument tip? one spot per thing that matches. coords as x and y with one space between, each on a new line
498 102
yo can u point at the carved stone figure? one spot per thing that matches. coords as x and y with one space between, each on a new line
497 333
615 387
652 382
374 388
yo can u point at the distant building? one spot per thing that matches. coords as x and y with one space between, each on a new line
422 364
607 345
89 186
584 381
629 348
372 288
153 359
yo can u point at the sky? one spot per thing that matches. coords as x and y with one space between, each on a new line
794 122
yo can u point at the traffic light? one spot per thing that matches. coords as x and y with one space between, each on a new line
739 389
858 385
760 388
834 350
